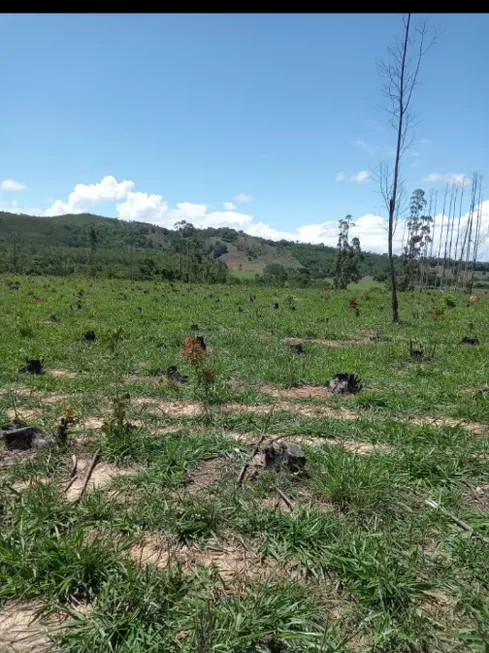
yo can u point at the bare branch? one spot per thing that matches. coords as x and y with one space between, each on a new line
400 74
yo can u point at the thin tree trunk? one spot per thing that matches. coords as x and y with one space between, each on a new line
433 233
441 230
477 238
445 255
424 258
452 230
455 264
470 229
393 200
462 274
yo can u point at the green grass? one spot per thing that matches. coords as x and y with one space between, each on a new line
360 563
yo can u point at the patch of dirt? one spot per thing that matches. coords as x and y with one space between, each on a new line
23 485
329 343
175 408
246 438
9 458
206 474
441 604
164 430
24 414
88 423
63 374
135 378
101 476
478 498
93 422
311 410
357 446
274 502
302 392
232 560
54 398
192 409
474 427
17 391
19 632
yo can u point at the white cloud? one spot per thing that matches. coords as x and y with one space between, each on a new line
243 198
142 207
229 206
86 196
361 176
448 178
10 185
132 205
364 145
358 177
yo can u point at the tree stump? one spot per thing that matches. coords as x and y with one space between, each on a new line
345 384
289 456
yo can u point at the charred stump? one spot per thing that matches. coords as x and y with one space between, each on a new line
342 384
33 366
284 456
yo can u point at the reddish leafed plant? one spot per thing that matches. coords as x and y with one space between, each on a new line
193 351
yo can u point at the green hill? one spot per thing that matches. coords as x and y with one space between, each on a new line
240 252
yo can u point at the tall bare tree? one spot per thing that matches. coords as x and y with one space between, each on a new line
400 74
479 237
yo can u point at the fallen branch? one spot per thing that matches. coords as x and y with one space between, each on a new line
72 477
215 456
245 468
88 474
290 504
277 438
466 527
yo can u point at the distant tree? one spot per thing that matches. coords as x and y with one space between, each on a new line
148 269
418 239
348 256
186 229
274 273
92 244
219 250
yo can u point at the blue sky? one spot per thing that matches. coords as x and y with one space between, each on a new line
195 110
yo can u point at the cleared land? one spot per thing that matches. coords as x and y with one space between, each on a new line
165 551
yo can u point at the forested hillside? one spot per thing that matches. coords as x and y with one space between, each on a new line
67 243
107 247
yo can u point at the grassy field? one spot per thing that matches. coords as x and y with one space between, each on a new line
165 551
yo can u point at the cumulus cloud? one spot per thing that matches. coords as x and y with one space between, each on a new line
11 186
358 177
448 178
86 196
229 206
243 198
133 205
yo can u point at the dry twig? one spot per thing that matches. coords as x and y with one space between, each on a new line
90 469
466 527
290 504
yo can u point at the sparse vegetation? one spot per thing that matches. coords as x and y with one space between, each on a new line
164 550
